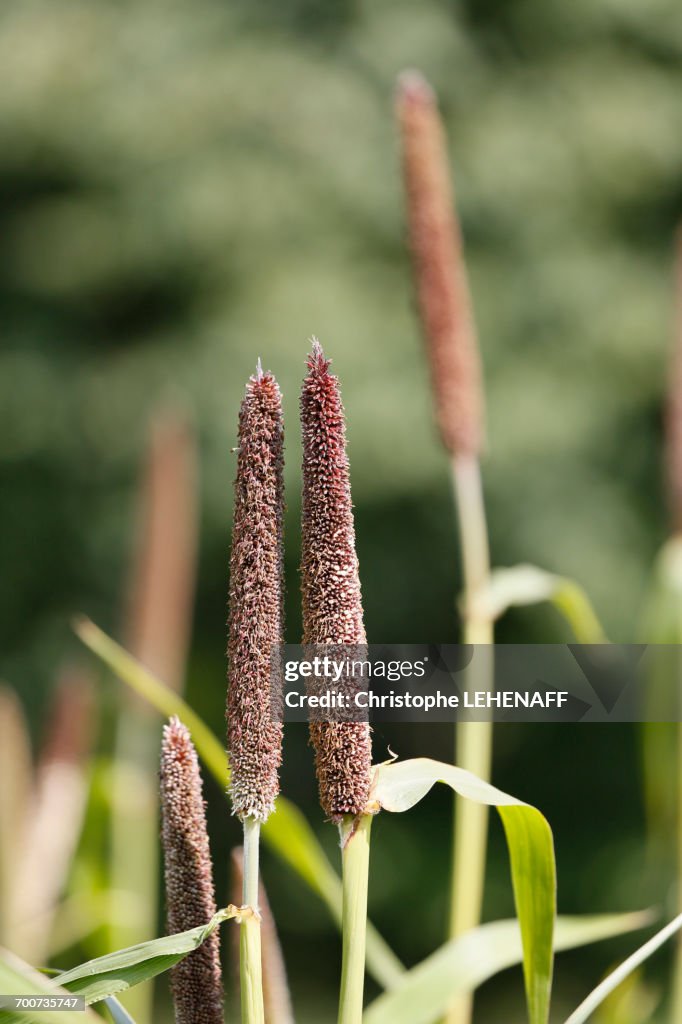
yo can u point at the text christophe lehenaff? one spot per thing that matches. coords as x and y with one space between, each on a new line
476 682
348 687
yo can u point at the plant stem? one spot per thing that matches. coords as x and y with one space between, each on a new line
677 968
473 739
355 834
250 969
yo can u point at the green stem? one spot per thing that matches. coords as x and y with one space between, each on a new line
355 833
473 739
250 967
677 967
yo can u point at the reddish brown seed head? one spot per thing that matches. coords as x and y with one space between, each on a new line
330 580
159 612
69 736
440 274
196 981
256 620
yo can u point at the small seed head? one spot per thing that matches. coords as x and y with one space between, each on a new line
196 981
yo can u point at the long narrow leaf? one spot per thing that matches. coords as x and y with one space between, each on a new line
599 994
286 830
463 964
107 975
119 1014
522 585
155 693
17 978
400 785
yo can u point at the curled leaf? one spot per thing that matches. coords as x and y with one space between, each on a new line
399 786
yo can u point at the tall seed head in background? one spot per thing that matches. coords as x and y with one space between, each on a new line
196 981
256 620
54 814
440 274
330 580
163 571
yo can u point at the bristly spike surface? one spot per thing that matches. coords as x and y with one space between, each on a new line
196 981
256 619
316 360
439 269
330 580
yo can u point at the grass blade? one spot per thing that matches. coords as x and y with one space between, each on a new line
400 785
107 975
662 740
635 1000
523 585
155 693
463 964
17 978
607 986
119 1014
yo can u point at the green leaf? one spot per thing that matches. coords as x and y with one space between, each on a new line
526 584
607 986
17 978
157 694
463 964
119 1014
286 831
634 1001
106 975
662 616
662 624
400 785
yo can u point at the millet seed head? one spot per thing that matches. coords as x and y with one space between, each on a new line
439 269
330 580
196 981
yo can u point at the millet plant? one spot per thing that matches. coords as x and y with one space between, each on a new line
352 789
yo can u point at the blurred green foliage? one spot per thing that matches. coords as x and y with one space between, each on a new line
185 187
